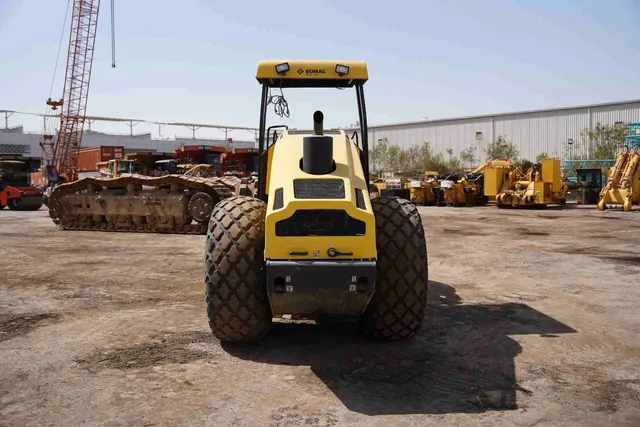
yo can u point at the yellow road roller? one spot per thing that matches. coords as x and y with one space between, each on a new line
312 243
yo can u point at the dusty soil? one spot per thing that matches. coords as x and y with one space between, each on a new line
533 320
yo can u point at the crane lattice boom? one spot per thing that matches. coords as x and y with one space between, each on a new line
62 154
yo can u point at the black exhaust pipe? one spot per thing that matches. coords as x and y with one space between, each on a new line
317 150
318 122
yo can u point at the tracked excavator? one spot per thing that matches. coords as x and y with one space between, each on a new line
312 243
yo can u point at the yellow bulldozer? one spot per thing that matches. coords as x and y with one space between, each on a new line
312 242
623 184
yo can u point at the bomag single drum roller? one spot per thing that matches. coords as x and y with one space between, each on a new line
178 204
312 242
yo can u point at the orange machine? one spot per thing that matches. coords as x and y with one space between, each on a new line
15 190
201 154
240 162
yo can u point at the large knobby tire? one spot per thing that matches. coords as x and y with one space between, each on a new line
398 305
237 304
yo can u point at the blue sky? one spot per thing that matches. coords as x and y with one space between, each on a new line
195 61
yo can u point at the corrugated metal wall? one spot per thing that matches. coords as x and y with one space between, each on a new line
455 134
532 132
549 132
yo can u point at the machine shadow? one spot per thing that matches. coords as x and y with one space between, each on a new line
462 361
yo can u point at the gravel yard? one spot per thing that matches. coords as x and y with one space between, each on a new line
533 320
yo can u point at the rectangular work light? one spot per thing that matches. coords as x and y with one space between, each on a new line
282 68
342 70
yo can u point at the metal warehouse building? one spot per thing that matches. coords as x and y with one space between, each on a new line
533 132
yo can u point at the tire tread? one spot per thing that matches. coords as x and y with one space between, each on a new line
237 304
397 308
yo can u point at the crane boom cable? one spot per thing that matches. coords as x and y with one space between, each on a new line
60 154
55 70
113 35
49 124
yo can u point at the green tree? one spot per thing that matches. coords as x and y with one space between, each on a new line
429 161
393 158
541 156
501 149
378 156
606 141
468 156
524 164
390 157
413 162
404 163
452 164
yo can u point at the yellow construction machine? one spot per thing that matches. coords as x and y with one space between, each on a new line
393 186
496 173
534 187
312 242
421 190
467 191
623 184
114 168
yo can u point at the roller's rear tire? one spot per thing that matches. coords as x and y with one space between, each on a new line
237 304
398 306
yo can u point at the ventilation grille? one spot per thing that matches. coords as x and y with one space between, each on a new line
14 149
360 199
278 199
320 222
318 189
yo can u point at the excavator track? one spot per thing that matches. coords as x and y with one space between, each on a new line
172 204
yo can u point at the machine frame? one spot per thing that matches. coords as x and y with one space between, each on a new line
309 74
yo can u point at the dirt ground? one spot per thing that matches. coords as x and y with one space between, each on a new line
533 320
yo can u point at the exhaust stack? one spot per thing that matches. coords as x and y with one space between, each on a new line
318 122
317 150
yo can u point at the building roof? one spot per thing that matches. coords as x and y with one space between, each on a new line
485 116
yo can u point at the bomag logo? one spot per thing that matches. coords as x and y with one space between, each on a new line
315 71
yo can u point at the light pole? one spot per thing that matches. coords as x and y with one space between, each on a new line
570 143
376 153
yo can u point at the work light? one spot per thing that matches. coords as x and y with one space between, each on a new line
282 68
342 70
